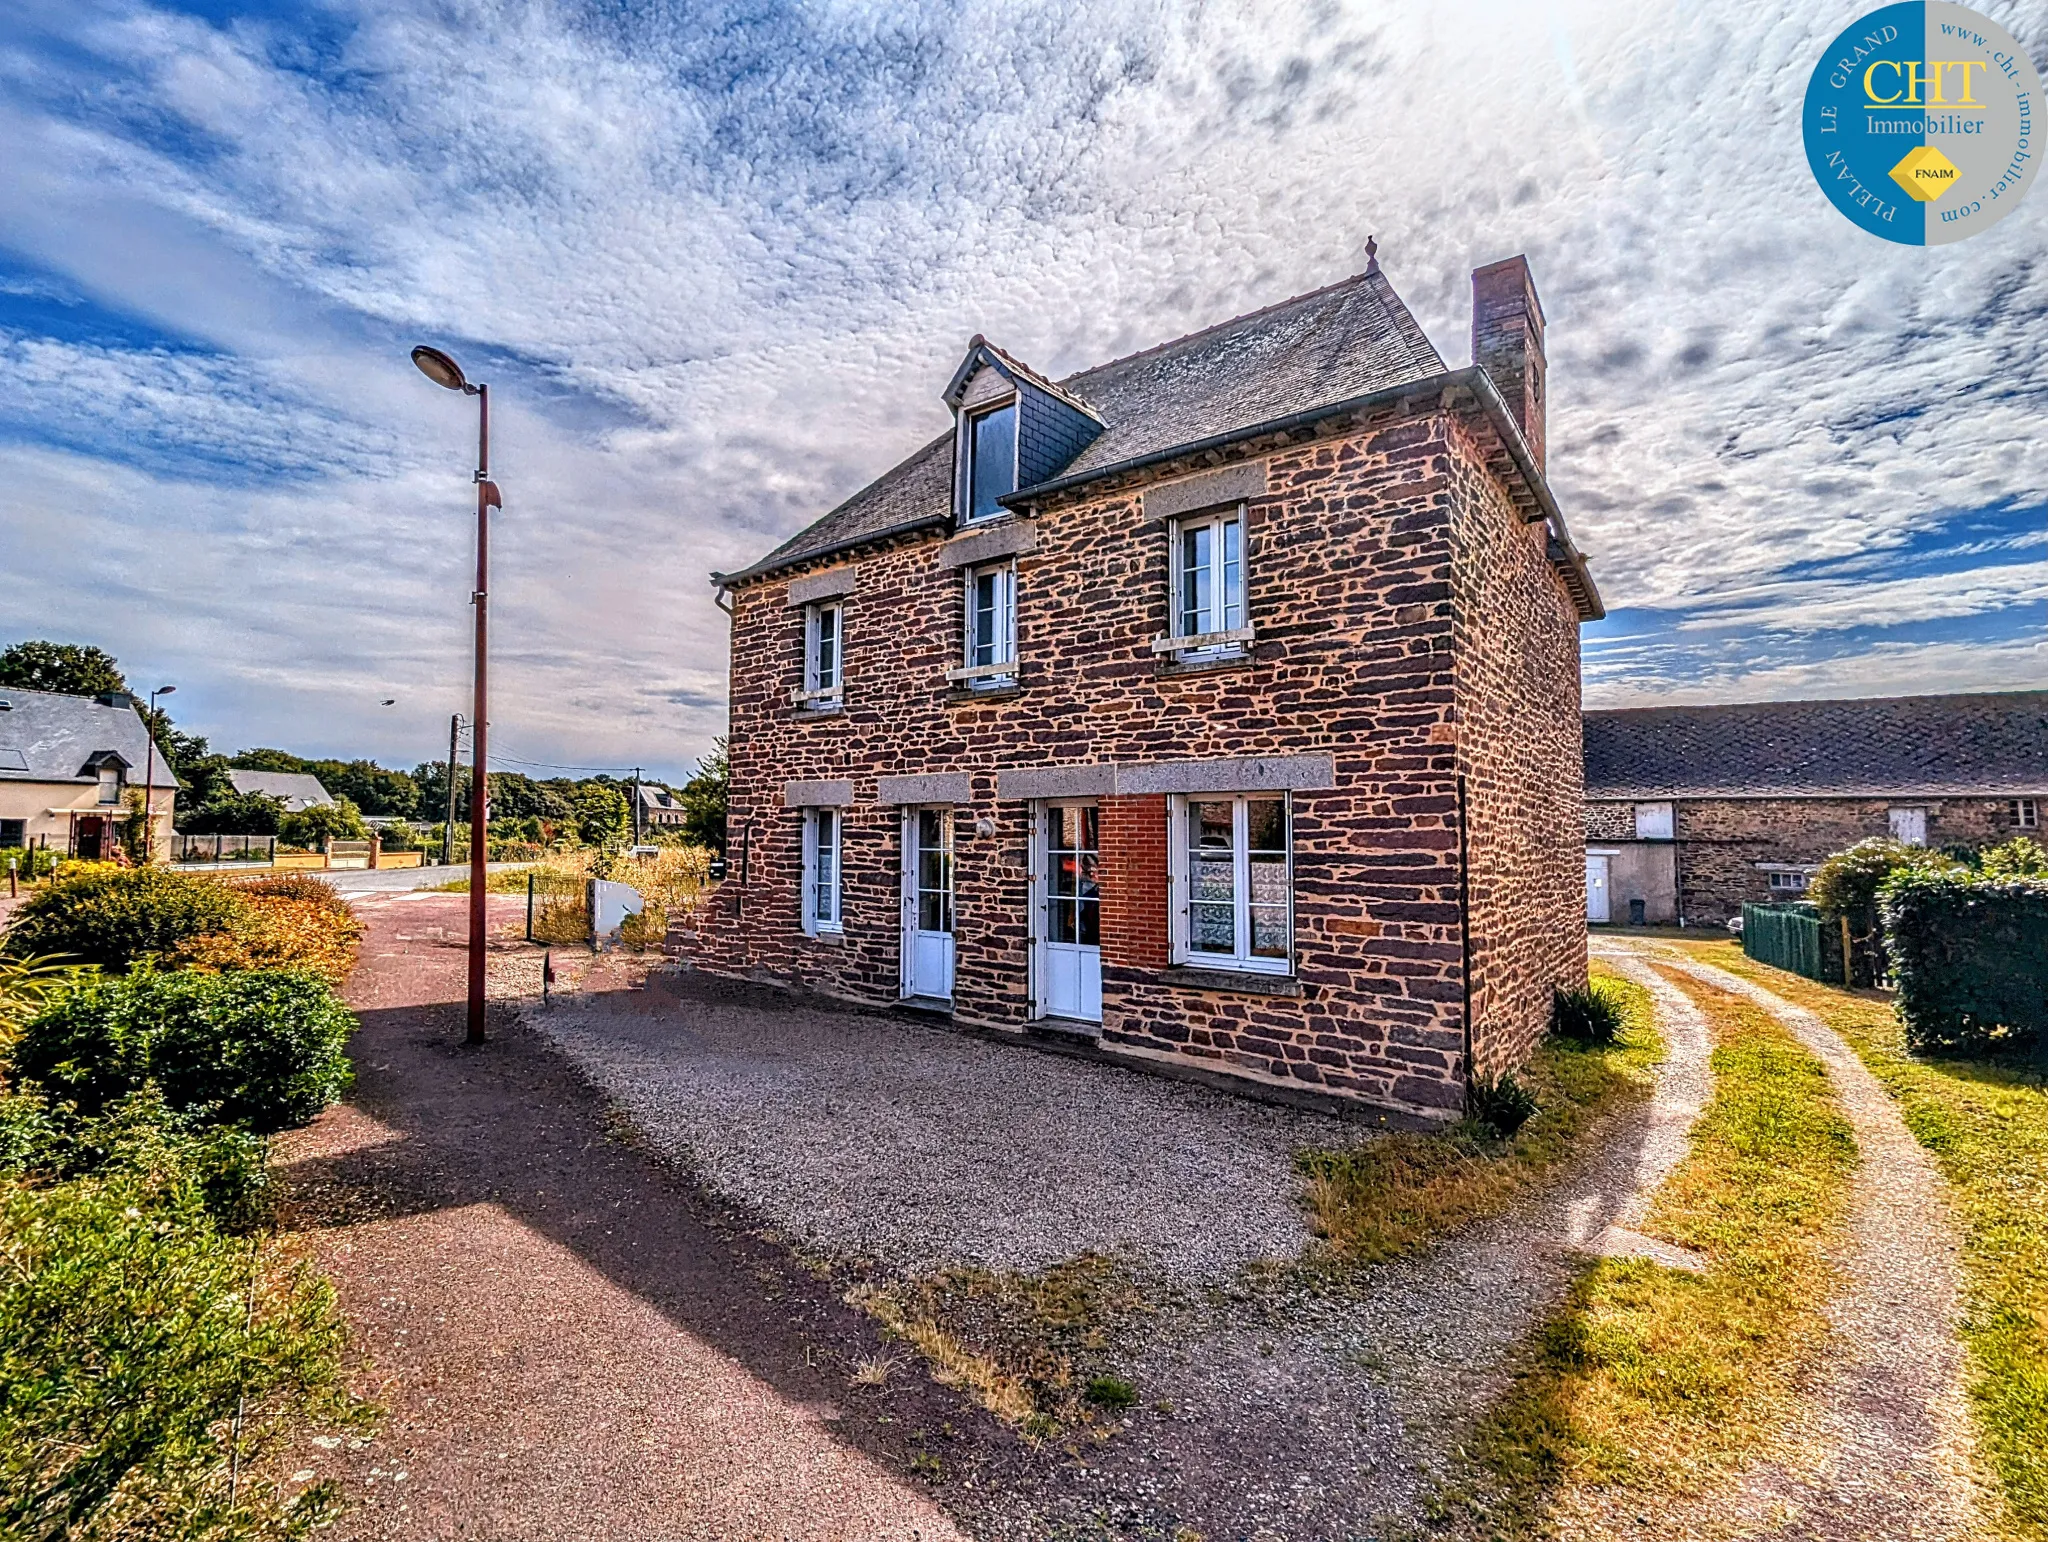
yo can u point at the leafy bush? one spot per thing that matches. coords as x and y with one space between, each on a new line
311 828
133 1332
1592 1015
1500 1105
280 933
399 836
294 886
235 813
261 1049
2017 858
1847 885
114 916
1970 956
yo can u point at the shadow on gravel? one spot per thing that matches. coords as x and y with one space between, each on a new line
511 1124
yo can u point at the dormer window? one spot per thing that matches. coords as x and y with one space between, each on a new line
110 784
992 459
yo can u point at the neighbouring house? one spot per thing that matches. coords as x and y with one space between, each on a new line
1215 710
660 809
1692 811
299 790
67 767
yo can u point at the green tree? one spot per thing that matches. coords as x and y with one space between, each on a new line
704 797
235 813
340 820
268 760
71 669
601 814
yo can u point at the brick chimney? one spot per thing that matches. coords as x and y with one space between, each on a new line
1507 342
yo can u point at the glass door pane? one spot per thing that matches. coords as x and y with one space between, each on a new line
934 870
1212 878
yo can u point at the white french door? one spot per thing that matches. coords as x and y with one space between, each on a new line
1067 847
1598 905
928 903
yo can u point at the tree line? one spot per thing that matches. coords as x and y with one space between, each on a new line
590 810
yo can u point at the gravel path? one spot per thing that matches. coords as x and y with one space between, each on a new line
1265 1411
1883 1450
867 1136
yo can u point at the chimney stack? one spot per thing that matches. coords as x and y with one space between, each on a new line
1507 342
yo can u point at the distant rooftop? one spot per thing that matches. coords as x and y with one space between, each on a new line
300 790
1968 745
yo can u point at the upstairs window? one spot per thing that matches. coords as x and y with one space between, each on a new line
1908 825
2026 813
1653 822
1209 576
1788 883
823 632
110 785
991 460
1233 883
822 828
991 642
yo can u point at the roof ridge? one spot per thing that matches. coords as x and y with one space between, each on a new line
1810 701
1263 310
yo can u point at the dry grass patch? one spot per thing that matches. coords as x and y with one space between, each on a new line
1028 1347
1397 1193
1653 1378
1986 1126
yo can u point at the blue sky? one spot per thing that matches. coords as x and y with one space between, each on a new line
717 261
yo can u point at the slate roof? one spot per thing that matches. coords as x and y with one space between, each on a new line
1988 745
1347 340
47 737
300 790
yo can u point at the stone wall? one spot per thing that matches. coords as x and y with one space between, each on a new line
1351 574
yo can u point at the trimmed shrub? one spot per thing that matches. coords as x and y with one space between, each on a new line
280 934
1847 884
1970 958
1592 1016
1500 1105
399 836
115 917
133 1331
261 1049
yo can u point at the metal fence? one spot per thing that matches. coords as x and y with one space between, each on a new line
223 848
1785 937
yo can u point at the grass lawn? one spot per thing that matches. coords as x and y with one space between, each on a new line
1397 1193
1987 1128
1652 1378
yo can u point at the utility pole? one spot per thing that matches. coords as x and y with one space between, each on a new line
636 805
448 824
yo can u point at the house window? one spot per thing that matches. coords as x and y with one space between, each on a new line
822 828
2026 813
991 653
991 460
822 660
13 833
1233 883
110 785
1208 581
1788 883
1909 825
1653 822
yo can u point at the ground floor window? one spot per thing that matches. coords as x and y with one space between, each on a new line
1233 882
1788 883
822 828
13 832
2026 813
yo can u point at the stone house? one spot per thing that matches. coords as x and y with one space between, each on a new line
1214 710
67 766
1691 811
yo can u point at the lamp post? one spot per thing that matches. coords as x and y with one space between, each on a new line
149 777
444 371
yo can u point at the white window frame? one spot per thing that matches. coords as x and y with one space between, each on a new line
1656 822
2026 813
1242 960
816 691
1000 670
1216 638
820 903
110 786
1788 881
969 421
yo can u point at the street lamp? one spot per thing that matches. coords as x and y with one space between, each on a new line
149 777
444 371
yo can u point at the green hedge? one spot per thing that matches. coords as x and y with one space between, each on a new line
261 1049
115 917
1970 958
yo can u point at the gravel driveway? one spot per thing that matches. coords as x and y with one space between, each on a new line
914 1146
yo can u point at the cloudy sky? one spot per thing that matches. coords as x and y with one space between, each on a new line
717 262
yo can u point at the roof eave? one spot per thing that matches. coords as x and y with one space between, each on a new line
724 581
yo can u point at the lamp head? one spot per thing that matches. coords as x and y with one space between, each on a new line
439 368
164 690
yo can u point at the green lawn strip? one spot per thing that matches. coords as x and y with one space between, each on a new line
1652 1378
1987 1129
1399 1192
